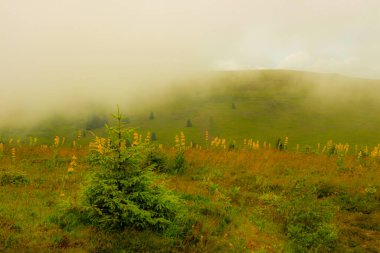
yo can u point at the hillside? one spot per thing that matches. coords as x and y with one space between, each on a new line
309 108
264 105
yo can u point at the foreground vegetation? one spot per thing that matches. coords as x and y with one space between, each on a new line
228 198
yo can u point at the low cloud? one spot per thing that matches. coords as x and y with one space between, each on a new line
62 56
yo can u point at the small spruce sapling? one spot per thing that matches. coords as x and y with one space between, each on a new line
151 116
154 136
189 123
123 193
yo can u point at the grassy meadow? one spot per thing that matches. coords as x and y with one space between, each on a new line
237 200
232 185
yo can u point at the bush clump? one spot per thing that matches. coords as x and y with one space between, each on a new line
365 203
158 159
13 177
161 162
179 163
307 221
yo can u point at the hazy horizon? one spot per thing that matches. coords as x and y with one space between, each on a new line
61 55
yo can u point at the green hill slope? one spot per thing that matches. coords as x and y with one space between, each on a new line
264 105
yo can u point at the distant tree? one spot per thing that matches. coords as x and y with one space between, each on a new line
96 121
189 124
151 116
126 120
153 137
233 106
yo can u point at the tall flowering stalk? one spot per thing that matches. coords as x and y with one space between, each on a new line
286 141
73 164
176 139
148 137
179 160
218 143
183 140
13 154
55 150
135 139
206 137
1 150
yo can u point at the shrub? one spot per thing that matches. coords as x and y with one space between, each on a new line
95 122
122 193
68 216
325 189
179 163
13 178
307 221
231 146
365 203
158 160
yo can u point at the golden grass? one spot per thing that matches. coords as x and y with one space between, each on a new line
253 223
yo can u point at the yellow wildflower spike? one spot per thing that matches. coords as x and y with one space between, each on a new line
135 139
13 152
56 140
148 137
176 141
183 140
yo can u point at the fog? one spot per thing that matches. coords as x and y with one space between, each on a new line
67 56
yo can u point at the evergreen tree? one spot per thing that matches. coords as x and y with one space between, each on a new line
188 123
122 194
95 122
154 137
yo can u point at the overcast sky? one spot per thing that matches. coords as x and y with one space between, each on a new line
67 48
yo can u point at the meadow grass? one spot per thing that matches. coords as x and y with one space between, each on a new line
238 200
